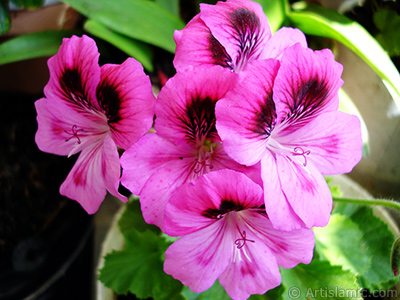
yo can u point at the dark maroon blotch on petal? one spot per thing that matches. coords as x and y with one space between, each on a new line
265 118
309 99
218 53
247 26
110 100
199 119
225 207
73 88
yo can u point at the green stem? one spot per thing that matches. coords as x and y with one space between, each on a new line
380 202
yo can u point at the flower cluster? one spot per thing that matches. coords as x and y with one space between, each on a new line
244 133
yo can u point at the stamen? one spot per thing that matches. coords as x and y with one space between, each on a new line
300 151
200 164
74 133
241 242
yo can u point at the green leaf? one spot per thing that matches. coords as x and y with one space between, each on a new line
320 21
340 242
138 269
32 45
319 280
28 4
5 21
214 292
142 20
388 23
275 11
132 219
378 240
171 5
348 106
218 292
140 51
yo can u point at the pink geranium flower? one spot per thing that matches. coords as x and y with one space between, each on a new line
226 234
186 143
285 116
92 110
230 34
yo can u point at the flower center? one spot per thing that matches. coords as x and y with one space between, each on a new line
74 133
296 154
203 162
242 241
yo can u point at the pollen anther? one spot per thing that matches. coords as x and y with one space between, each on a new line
74 133
241 242
300 151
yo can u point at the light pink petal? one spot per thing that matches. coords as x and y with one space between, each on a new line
289 247
125 95
197 47
185 107
307 85
241 27
63 130
246 116
304 189
331 142
277 206
253 268
93 171
75 73
194 205
158 188
281 40
199 258
144 158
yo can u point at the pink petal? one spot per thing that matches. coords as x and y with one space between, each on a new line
289 247
193 206
332 140
246 116
185 108
64 131
253 268
96 168
75 73
307 85
144 158
198 259
277 205
126 96
281 40
304 196
240 26
197 47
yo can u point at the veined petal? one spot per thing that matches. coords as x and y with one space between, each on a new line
64 131
289 247
240 26
332 142
125 95
144 158
199 258
185 107
194 205
253 268
307 85
246 116
75 73
278 208
282 39
304 189
197 47
86 182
